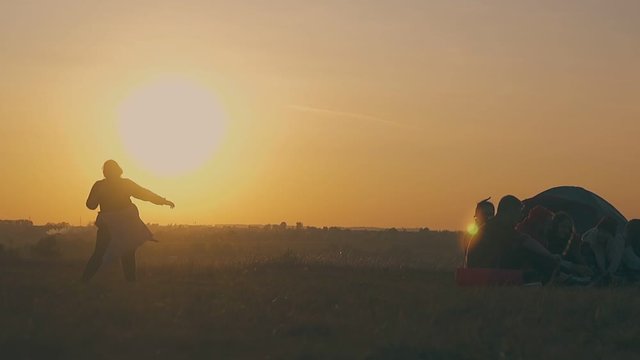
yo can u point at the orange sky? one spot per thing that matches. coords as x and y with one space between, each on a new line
351 113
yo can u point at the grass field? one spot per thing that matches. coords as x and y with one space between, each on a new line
297 295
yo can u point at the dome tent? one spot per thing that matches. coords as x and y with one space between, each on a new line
585 207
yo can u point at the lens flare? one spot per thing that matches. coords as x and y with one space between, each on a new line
472 229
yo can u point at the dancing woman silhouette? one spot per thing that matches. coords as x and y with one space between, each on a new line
120 229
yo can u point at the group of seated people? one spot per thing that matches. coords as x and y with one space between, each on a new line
546 247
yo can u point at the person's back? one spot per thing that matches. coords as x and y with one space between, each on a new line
484 212
481 251
113 194
493 241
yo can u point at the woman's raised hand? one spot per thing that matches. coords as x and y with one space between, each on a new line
170 203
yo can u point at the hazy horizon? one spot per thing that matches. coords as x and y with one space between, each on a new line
240 225
371 113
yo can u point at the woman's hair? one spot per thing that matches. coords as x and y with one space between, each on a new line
111 169
559 218
561 245
485 207
509 203
539 214
536 222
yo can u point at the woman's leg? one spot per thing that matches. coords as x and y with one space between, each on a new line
129 266
102 243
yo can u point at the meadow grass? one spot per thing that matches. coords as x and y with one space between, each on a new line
324 299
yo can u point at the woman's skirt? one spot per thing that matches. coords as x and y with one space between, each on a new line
126 231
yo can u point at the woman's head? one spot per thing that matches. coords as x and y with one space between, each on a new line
510 209
562 226
484 211
561 232
111 169
537 221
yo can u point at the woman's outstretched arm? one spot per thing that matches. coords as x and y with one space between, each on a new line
141 193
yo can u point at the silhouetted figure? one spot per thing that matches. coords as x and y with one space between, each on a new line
631 256
537 224
603 249
560 238
120 230
632 235
484 211
499 245
496 237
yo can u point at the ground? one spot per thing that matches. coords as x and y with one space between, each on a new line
298 305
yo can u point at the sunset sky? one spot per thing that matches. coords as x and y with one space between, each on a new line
349 113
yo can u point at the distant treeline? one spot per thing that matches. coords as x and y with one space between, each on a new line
19 231
224 244
302 233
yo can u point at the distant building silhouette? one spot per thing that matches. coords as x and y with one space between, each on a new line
21 223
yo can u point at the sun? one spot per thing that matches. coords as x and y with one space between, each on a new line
171 126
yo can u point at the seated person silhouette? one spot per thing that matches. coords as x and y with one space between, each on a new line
498 245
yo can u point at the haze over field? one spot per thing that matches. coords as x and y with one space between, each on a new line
352 113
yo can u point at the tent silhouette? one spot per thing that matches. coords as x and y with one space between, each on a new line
585 207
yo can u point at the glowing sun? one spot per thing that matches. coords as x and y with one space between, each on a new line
171 126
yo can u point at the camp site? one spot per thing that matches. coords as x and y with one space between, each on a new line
310 180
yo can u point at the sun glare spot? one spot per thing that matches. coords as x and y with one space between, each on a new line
472 229
171 127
